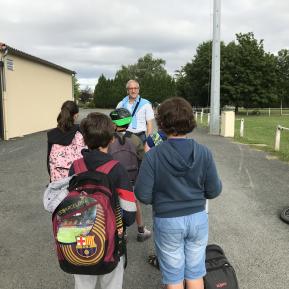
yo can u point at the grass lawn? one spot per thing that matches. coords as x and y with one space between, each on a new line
261 130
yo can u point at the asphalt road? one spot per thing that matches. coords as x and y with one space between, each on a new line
244 220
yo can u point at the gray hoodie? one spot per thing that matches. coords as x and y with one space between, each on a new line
177 177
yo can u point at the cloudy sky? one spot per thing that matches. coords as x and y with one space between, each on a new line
93 37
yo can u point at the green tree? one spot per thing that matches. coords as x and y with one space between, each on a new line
155 83
76 88
283 76
248 74
193 80
85 95
147 65
103 93
255 73
229 83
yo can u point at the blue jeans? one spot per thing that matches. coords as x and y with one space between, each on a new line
180 244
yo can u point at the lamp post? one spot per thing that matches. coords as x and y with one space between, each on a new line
215 80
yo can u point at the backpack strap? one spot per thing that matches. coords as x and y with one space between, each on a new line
128 134
107 167
120 138
79 166
136 107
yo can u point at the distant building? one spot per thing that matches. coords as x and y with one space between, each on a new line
31 92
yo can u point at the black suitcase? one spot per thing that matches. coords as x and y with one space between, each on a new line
220 273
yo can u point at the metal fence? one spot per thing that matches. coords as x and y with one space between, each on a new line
250 111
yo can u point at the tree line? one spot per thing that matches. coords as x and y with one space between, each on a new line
250 77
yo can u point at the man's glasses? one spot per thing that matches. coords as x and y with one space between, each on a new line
133 88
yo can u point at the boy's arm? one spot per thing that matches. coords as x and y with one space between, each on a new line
213 184
140 149
127 205
149 119
126 195
145 181
146 147
149 127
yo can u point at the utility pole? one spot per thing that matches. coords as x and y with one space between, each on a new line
215 79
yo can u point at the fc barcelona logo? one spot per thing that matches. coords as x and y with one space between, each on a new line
85 246
83 242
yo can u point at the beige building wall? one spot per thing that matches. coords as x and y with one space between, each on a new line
33 97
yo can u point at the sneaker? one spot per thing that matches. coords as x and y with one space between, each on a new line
143 236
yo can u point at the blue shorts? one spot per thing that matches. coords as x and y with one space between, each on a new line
180 244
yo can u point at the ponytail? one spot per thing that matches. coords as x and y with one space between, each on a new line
65 119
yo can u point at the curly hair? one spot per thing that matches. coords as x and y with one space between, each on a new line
175 116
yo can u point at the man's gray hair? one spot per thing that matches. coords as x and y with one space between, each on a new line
131 81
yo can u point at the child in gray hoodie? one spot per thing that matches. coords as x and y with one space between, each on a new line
176 177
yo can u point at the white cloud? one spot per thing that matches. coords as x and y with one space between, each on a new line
93 37
87 82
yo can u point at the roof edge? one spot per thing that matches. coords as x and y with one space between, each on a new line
6 49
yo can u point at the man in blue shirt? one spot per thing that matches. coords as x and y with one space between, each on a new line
141 110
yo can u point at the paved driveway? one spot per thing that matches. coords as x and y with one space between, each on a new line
243 220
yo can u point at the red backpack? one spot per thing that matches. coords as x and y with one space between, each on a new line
87 224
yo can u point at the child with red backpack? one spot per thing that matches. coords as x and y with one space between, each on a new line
128 149
98 131
65 142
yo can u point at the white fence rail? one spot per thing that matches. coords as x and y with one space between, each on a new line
201 115
269 111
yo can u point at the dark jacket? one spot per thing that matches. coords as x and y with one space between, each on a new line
118 176
177 178
136 141
138 145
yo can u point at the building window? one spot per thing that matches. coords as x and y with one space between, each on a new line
10 64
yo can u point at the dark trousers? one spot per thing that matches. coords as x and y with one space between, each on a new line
142 136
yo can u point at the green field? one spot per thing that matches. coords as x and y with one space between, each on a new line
260 130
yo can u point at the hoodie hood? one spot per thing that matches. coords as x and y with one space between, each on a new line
175 162
95 158
57 136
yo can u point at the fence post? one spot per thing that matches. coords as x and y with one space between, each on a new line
242 128
269 111
196 116
202 113
277 138
208 118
